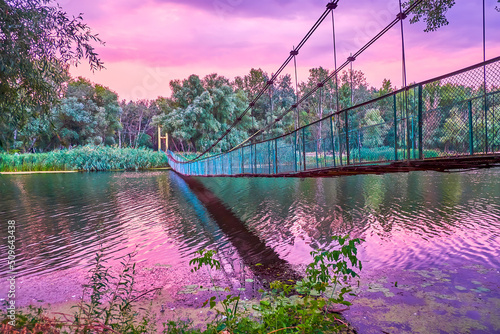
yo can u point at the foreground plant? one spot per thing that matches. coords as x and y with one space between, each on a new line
106 306
306 306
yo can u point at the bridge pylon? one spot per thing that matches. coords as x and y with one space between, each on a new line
160 137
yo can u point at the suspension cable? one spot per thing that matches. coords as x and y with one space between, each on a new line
320 20
403 16
335 60
276 75
341 67
404 84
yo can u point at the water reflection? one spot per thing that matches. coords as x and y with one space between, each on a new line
409 220
262 260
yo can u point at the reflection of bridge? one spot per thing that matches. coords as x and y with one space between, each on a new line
449 122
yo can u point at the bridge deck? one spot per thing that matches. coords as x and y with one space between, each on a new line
435 164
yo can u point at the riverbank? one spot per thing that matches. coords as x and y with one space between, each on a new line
112 300
84 158
75 171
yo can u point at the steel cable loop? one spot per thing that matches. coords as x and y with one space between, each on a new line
312 91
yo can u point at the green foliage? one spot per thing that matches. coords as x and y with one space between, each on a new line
85 158
33 321
137 127
201 110
375 130
303 306
38 43
107 300
106 306
432 12
205 259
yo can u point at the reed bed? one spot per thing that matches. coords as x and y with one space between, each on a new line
85 158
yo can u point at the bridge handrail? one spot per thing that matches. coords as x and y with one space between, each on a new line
407 88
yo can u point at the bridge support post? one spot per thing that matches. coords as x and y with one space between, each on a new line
347 148
255 159
269 155
159 138
251 159
304 146
471 130
295 151
316 149
340 142
395 128
408 127
420 124
333 141
242 168
276 156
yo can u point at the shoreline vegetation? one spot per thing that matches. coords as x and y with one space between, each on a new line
110 303
87 158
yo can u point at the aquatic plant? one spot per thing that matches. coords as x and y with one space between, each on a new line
106 306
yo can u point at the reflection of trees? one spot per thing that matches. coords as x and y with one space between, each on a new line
58 216
54 214
421 203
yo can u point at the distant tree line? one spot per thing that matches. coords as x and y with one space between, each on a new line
199 110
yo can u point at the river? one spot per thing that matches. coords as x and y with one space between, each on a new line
431 255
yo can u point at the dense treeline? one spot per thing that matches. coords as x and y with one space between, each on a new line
199 110
42 110
87 114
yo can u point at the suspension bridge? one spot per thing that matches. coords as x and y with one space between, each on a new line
448 122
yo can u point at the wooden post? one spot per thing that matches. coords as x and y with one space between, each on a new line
160 138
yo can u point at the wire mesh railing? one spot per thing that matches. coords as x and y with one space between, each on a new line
454 115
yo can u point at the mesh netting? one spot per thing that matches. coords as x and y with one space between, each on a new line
454 115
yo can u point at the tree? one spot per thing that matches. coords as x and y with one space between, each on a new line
432 12
278 98
87 114
137 122
38 42
375 129
200 111
314 107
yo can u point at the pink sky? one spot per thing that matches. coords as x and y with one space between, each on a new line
151 42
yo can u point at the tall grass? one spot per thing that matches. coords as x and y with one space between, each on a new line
84 158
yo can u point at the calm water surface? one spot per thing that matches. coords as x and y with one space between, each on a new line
430 231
